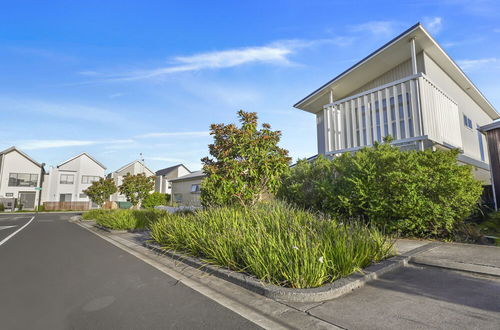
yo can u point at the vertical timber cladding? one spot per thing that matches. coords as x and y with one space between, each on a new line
493 138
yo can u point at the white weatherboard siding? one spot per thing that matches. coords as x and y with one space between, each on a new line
466 105
15 162
71 179
163 181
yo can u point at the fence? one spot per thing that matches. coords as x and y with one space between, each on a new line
70 206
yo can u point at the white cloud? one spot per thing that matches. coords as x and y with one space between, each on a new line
49 144
275 53
433 24
378 28
496 30
115 95
165 159
478 63
173 134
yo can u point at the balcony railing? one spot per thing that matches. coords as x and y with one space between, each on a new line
409 109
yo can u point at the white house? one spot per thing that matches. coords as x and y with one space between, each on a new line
186 189
67 181
410 89
163 177
131 168
20 177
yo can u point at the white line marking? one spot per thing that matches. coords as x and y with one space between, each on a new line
11 235
7 227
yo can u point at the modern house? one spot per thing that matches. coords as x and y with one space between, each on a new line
186 189
20 178
67 181
131 168
409 89
163 177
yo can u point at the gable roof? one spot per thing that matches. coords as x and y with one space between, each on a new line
86 154
167 170
13 148
131 163
192 175
386 57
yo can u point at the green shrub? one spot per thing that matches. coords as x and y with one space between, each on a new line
2 208
414 193
123 219
277 243
154 199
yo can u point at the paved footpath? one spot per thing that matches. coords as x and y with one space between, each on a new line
57 275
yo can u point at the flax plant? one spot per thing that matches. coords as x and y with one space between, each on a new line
274 242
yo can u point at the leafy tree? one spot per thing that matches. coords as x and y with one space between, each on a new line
415 193
246 163
99 191
155 199
136 188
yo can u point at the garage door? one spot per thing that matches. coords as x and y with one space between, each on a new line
27 199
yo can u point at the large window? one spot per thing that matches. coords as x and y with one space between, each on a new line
67 179
23 180
177 198
89 178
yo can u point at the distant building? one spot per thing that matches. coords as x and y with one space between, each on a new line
164 176
67 181
20 178
186 189
132 168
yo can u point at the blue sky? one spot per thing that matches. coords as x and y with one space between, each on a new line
119 78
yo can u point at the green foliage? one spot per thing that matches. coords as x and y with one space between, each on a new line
414 193
2 208
136 187
123 219
155 199
99 191
277 243
246 163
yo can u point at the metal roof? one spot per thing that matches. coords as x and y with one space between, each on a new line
192 175
167 170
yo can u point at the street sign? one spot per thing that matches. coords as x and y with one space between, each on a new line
38 188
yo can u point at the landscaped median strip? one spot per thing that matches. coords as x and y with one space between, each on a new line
326 292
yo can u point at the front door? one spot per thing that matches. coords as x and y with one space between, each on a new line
27 200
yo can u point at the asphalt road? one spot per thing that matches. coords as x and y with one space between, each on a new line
56 275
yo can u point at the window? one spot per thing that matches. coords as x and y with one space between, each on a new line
23 180
89 179
467 122
481 146
178 198
67 179
195 188
65 198
83 196
9 194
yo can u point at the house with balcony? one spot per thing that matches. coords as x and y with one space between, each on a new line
67 181
411 89
132 168
20 179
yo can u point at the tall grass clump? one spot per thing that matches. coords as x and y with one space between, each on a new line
275 242
124 219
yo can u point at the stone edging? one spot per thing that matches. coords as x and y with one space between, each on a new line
319 294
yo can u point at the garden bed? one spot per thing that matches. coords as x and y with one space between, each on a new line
124 220
274 243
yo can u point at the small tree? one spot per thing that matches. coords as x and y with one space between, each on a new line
136 188
100 191
246 163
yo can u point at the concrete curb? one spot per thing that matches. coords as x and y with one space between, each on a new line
326 292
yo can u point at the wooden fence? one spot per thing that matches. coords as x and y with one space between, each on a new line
70 206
